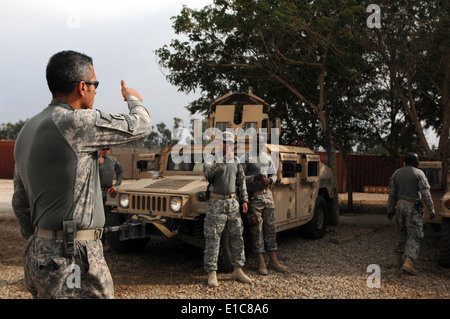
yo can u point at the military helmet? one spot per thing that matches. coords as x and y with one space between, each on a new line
412 159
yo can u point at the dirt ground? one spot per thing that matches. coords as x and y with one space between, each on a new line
334 267
363 203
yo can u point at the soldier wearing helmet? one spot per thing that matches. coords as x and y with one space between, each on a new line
226 181
260 172
408 186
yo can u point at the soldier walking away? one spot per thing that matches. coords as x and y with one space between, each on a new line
107 166
57 197
260 172
406 185
227 180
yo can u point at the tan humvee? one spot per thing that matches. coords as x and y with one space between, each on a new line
169 199
438 176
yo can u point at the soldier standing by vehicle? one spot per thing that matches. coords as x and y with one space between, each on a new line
260 172
57 197
108 165
405 203
226 178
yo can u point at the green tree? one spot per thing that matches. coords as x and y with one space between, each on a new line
414 45
163 136
301 48
10 131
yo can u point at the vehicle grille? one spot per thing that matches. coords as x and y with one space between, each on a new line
149 203
170 183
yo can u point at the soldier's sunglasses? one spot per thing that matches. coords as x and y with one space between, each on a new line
95 83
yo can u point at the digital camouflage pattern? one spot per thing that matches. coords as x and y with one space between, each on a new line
56 179
221 213
265 230
214 164
258 164
48 276
409 223
410 184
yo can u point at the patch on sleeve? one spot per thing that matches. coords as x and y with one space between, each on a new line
105 116
119 122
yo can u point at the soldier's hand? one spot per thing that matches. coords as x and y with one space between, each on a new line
126 92
244 207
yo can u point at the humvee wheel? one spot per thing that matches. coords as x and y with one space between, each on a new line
224 263
316 227
445 243
122 246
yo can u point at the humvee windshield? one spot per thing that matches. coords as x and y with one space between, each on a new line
186 165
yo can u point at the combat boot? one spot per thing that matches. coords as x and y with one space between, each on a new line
262 269
398 259
212 279
275 264
408 266
238 274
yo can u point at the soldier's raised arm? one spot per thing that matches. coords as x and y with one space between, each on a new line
106 129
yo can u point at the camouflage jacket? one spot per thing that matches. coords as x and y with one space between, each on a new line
56 173
258 164
213 165
107 169
407 183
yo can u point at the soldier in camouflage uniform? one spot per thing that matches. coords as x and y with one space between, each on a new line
222 210
405 203
57 183
107 166
260 172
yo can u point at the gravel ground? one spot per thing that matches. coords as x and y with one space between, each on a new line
335 267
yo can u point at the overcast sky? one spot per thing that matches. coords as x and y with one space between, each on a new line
121 37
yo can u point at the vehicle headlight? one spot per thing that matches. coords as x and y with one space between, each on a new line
124 200
175 204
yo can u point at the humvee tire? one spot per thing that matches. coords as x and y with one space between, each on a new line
224 262
445 243
316 227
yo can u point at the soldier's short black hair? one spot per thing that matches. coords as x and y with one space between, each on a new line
412 159
64 69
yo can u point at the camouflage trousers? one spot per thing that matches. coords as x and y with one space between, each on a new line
221 213
409 222
50 275
264 231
